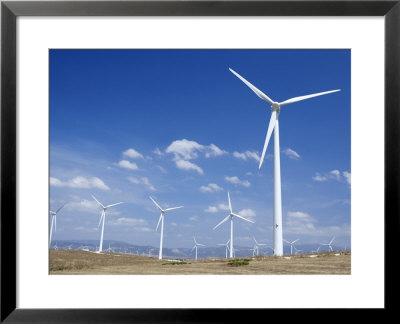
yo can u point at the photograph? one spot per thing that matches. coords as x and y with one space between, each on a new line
199 161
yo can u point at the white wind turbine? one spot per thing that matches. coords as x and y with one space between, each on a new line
329 244
317 250
161 219
274 125
54 222
196 245
231 215
103 218
297 251
256 245
291 245
226 248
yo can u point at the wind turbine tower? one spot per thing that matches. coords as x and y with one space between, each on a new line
161 219
274 126
226 248
291 245
196 245
103 218
54 222
230 216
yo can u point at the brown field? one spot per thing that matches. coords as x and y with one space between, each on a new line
83 262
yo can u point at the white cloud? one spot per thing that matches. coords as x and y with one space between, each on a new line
87 206
157 151
236 180
124 221
133 154
291 154
213 150
247 213
134 180
193 218
247 155
184 149
319 177
211 209
80 182
223 207
161 168
347 176
186 165
148 184
127 165
211 187
335 174
299 222
142 180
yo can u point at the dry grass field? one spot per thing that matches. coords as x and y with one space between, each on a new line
82 262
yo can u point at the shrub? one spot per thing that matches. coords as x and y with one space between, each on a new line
238 262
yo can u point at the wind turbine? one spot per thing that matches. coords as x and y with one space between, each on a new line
317 250
329 244
109 248
231 215
297 251
256 245
161 219
196 245
102 218
291 245
54 222
226 248
274 126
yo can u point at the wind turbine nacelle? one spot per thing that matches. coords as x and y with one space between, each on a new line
275 106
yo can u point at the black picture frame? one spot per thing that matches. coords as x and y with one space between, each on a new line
10 10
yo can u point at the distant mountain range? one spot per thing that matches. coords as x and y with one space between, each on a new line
176 253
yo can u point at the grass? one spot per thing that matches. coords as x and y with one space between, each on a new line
83 262
174 263
238 262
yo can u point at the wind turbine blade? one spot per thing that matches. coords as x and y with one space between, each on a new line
258 92
102 214
55 223
331 240
159 220
223 221
98 201
229 201
271 126
248 220
295 99
194 239
193 247
295 241
173 208
287 241
114 204
200 244
60 208
156 204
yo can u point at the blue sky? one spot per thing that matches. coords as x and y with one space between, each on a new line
177 125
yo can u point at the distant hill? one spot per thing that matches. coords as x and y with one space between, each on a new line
181 253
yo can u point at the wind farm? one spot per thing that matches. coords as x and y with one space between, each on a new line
187 146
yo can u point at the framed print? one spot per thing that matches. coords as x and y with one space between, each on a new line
134 127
